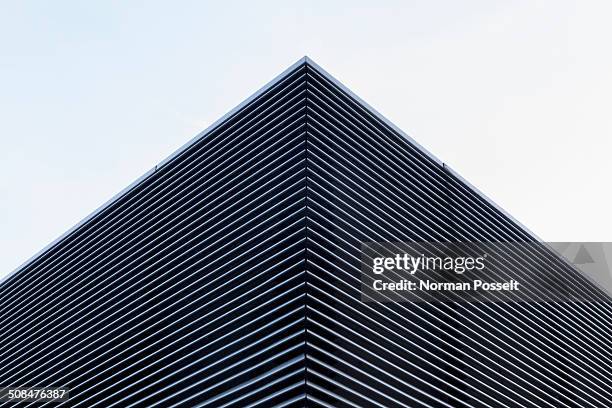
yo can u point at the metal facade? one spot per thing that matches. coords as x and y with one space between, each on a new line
229 277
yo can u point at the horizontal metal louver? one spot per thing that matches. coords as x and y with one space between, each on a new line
229 276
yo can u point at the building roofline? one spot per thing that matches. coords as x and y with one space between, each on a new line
161 164
419 147
302 61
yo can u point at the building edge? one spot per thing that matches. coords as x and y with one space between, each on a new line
302 61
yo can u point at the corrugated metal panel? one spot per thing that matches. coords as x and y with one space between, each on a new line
230 277
367 183
186 290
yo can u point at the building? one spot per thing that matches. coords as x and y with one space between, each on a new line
229 276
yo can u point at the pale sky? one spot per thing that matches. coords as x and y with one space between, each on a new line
516 96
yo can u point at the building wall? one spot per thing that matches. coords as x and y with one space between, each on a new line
187 289
366 183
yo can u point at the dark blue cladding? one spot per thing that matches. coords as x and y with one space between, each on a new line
230 277
189 288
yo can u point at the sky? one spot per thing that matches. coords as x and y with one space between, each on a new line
516 96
